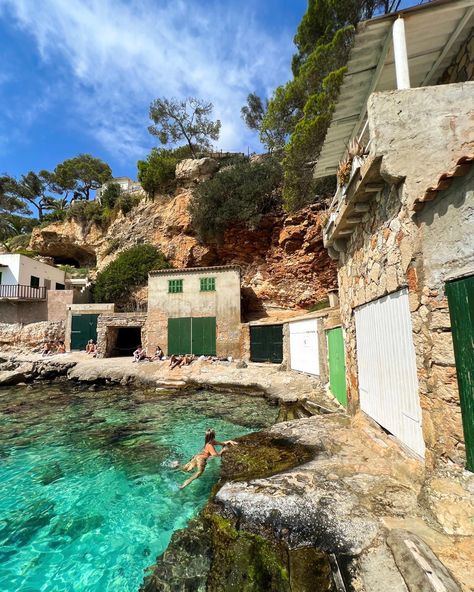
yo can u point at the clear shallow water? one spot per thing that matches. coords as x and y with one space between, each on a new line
89 496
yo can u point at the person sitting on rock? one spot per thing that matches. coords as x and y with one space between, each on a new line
158 355
60 348
90 347
46 351
199 460
139 354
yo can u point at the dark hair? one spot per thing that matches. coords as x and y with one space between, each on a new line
210 436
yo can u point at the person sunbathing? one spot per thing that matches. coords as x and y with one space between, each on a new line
199 460
46 351
60 348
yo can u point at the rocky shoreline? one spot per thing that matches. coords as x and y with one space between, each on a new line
321 502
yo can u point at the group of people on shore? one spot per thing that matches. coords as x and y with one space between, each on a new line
175 361
51 348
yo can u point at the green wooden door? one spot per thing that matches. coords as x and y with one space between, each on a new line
203 336
195 335
179 336
83 328
461 309
337 366
266 343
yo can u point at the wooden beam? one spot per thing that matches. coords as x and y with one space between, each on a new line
457 31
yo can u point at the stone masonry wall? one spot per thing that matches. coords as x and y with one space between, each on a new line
462 68
421 134
107 325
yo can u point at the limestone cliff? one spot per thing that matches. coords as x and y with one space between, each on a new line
284 264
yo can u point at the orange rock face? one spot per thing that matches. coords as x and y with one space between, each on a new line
284 264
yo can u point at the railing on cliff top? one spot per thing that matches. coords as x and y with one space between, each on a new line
20 292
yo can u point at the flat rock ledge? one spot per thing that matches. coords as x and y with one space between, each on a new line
347 512
258 379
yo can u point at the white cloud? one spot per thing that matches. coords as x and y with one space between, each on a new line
120 55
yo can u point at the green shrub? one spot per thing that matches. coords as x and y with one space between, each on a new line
20 241
240 194
110 195
157 173
75 272
126 202
86 212
129 270
319 305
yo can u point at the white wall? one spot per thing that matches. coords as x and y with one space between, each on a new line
21 268
11 273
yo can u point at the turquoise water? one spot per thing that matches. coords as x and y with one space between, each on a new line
89 496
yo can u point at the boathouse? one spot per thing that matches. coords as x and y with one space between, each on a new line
401 226
194 311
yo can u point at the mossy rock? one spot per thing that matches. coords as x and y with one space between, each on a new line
262 454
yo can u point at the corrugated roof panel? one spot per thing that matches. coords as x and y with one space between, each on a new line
429 28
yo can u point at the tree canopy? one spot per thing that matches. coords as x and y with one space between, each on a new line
240 194
11 208
81 174
299 112
188 120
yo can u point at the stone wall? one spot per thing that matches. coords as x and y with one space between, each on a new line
393 247
107 329
462 68
30 337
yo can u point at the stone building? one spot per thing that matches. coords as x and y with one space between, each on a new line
401 226
194 310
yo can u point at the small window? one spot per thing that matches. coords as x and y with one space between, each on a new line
60 286
208 284
175 286
34 282
0 277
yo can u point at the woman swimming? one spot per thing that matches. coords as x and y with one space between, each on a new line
199 460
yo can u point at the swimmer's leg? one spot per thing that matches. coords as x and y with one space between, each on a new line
201 465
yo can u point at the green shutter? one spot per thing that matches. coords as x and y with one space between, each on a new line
208 284
337 366
266 343
179 336
34 282
204 336
175 286
460 295
84 327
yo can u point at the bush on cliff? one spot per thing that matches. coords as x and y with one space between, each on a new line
157 173
129 270
240 194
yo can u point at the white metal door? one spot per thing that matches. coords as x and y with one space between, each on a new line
388 382
304 350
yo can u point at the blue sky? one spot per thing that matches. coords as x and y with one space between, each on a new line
79 75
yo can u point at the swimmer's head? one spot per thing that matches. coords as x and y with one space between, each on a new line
210 435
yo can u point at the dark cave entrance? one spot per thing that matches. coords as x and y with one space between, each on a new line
123 341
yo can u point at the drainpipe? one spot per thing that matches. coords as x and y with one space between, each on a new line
400 53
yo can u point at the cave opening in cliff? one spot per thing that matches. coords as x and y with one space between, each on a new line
77 259
123 341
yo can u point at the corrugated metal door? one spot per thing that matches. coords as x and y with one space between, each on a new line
203 336
388 382
304 348
337 365
83 328
461 309
266 343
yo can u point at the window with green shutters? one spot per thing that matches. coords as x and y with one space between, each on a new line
208 284
34 282
175 286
